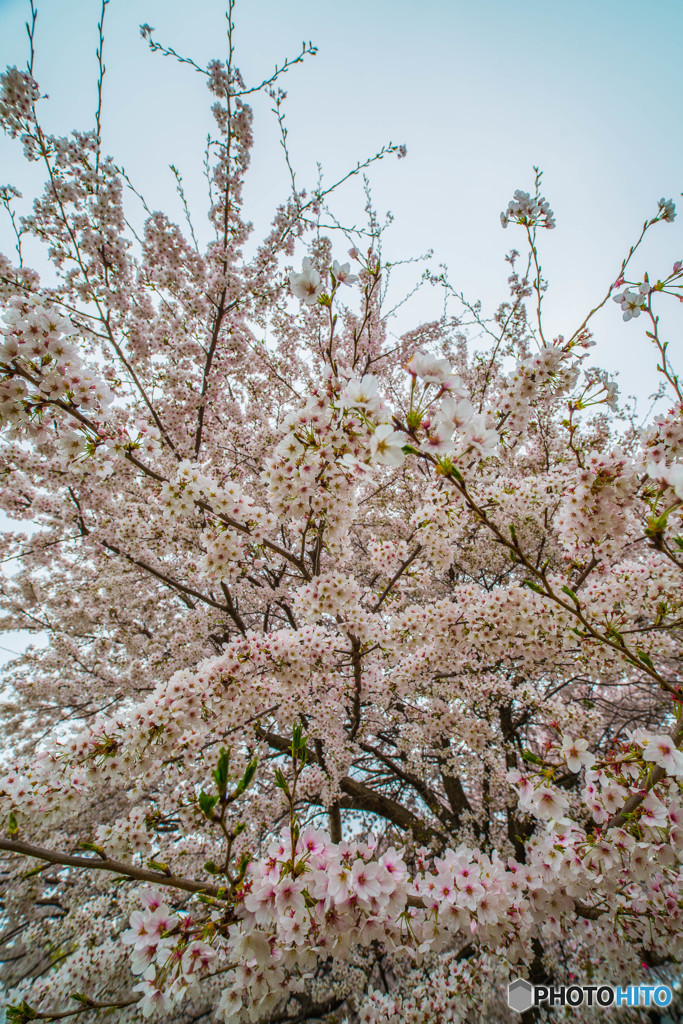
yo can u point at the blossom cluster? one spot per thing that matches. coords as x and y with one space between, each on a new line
40 363
528 210
153 949
309 897
358 651
308 285
18 93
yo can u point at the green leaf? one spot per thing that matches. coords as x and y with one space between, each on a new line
531 758
93 847
298 747
249 773
35 871
156 865
297 736
281 781
535 587
656 525
570 593
243 865
207 804
645 658
222 770
12 826
20 1014
211 868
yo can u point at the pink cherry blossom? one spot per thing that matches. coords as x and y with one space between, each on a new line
663 752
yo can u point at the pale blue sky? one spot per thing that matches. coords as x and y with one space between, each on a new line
479 92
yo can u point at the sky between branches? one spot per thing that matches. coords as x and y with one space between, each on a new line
479 93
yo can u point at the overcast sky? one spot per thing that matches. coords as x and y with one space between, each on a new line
591 90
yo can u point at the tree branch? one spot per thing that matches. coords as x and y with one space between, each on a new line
106 864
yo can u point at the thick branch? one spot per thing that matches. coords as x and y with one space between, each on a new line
106 864
361 798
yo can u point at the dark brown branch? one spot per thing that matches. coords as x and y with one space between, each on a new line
360 797
448 819
106 864
357 686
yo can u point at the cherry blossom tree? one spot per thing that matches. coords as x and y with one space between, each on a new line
359 688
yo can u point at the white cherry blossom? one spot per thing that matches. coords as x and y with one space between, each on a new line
307 284
386 445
